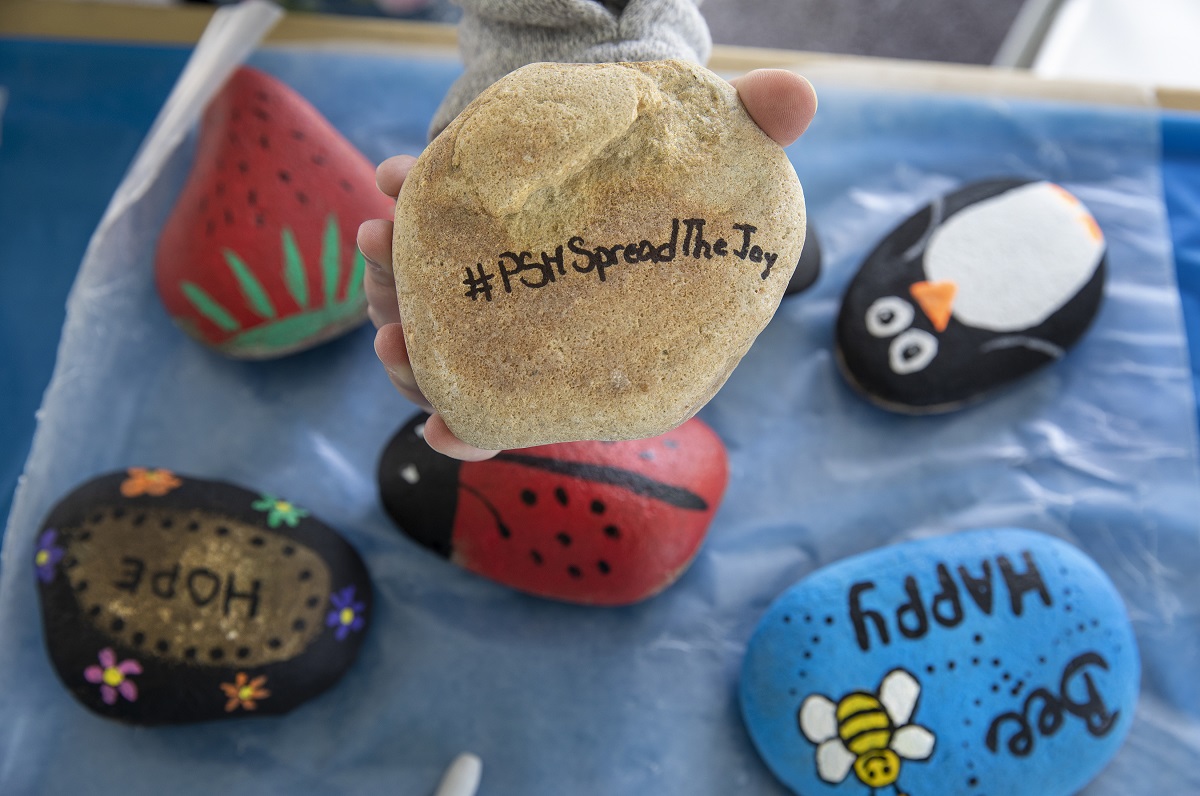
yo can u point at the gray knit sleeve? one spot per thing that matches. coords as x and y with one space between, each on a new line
499 36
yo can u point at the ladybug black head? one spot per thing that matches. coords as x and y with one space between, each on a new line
419 486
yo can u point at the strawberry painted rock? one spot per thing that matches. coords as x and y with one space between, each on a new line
258 258
597 523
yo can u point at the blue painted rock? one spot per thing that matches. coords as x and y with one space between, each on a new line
169 599
595 523
995 662
974 291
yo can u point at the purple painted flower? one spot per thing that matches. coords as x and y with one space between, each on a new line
113 677
48 555
346 615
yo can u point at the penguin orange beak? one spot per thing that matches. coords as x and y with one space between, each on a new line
936 300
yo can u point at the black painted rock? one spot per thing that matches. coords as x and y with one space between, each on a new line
169 599
809 266
595 523
974 291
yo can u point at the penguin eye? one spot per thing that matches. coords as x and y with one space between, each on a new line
889 315
912 351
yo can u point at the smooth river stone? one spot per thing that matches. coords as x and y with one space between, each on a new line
169 599
976 290
588 251
997 662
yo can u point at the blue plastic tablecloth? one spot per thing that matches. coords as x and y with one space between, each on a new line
637 700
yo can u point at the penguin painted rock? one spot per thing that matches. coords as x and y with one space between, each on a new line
808 269
593 523
977 289
168 599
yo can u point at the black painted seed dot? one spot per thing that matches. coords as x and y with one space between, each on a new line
70 562
612 532
996 662
995 688
86 535
258 541
563 538
138 519
118 513
319 160
190 653
1082 627
807 654
301 197
978 639
574 571
138 639
930 669
260 113
537 557
289 550
1095 623
94 611
118 625
1006 676
193 526
528 497
229 217
503 530
210 227
560 495
597 507
787 619
81 586
216 653
243 652
264 142
950 665
298 135
243 168
306 574
816 639
299 625
1041 659
313 602
220 189
973 781
346 186
974 661
603 567
97 517
285 176
251 197
222 530
978 702
262 95
829 620
274 643
1068 608
670 443
161 645
808 617
233 137
966 722
259 220
166 523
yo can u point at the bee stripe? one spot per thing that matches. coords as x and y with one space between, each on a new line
853 704
869 741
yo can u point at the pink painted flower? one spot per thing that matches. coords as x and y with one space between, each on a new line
113 677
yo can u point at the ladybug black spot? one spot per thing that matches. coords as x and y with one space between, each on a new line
597 507
528 497
574 571
560 495
612 532
537 557
603 567
563 538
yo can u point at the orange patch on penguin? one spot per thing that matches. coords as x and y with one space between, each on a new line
936 300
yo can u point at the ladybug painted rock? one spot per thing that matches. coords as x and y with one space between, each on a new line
168 599
976 290
258 257
596 523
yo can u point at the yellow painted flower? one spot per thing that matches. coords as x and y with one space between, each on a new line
244 692
155 482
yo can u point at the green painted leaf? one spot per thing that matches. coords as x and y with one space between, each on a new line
207 306
330 254
293 269
251 288
296 332
354 289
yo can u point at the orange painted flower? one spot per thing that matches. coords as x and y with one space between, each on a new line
149 481
244 692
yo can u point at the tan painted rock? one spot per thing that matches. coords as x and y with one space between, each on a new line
587 252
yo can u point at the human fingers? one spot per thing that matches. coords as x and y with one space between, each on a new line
390 174
442 440
375 243
782 103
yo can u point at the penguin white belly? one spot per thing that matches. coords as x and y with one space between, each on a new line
1016 258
